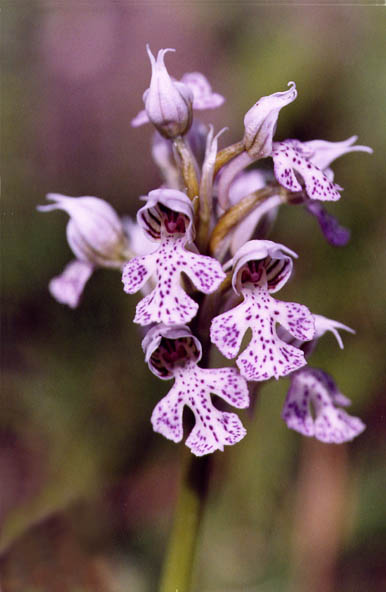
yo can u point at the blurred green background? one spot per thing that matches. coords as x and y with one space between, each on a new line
86 489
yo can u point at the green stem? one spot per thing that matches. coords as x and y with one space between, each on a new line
178 565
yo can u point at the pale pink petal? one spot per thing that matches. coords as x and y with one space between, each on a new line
275 259
323 324
261 120
324 153
245 183
140 119
95 232
165 346
203 96
163 206
67 288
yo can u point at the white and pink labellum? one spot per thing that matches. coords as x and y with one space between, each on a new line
267 355
292 158
168 219
168 303
261 120
172 352
261 267
313 408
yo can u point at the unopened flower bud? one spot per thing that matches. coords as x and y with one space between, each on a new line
168 103
94 232
261 119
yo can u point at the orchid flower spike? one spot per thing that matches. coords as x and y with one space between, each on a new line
169 103
167 218
262 267
173 352
97 238
311 408
261 120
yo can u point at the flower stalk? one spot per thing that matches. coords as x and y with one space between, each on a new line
178 565
227 154
188 167
235 214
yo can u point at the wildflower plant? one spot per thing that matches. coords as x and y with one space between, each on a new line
206 272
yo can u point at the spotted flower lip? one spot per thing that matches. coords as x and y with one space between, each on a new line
173 353
312 387
267 355
261 267
275 258
172 228
168 303
292 156
261 120
151 217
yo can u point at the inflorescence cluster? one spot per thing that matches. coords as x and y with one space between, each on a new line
199 255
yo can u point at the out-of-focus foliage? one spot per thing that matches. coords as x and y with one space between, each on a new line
86 488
